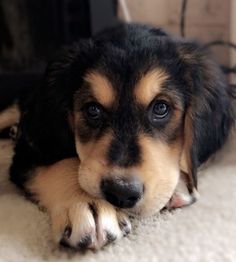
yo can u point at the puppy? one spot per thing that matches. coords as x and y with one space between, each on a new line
116 123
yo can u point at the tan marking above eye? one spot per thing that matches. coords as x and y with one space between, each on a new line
150 85
101 88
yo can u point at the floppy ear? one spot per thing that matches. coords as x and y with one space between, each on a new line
48 128
209 114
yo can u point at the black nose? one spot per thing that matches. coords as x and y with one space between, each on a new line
123 193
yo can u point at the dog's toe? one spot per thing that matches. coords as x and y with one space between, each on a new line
91 225
124 223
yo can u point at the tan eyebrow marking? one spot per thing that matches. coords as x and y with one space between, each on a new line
101 88
150 85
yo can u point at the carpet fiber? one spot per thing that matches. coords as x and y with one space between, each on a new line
205 231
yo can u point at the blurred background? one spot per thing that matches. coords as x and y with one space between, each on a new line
31 31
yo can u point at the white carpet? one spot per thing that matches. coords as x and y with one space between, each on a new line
205 231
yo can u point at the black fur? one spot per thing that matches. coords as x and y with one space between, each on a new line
124 54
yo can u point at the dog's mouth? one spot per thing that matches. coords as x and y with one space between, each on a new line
126 191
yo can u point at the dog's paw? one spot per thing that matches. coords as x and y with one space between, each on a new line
89 225
179 200
182 197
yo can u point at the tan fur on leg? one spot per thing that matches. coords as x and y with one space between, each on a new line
78 220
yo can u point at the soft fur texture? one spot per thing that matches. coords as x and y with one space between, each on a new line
116 122
124 55
206 231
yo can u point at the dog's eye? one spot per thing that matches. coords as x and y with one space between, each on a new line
160 109
158 112
93 113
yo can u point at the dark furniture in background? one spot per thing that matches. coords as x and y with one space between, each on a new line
31 31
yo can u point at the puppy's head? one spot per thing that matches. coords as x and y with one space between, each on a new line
145 108
128 137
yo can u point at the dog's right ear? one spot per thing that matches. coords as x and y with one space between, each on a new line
53 100
64 74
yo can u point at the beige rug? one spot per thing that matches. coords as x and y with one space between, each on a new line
205 231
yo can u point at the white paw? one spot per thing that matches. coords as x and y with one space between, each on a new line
89 225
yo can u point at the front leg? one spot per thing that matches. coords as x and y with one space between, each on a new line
78 220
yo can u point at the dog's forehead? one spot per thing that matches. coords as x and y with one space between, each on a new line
139 87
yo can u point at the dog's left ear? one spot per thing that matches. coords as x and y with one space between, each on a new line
209 114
